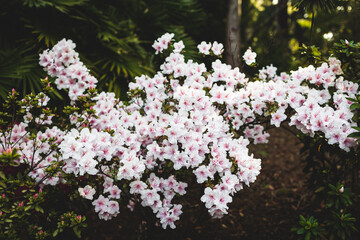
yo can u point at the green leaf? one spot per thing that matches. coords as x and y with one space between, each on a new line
2 175
56 232
77 232
2 184
354 106
351 99
300 231
354 135
39 209
308 236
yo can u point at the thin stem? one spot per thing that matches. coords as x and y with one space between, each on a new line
312 25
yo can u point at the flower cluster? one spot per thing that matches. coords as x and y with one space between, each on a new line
184 118
63 63
172 122
34 148
205 48
108 207
166 211
162 43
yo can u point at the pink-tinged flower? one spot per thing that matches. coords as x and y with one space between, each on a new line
101 204
149 197
222 198
204 48
87 192
114 192
229 180
209 197
249 57
217 48
113 207
277 118
178 47
157 46
202 174
162 42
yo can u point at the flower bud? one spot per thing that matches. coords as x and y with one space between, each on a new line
341 190
8 150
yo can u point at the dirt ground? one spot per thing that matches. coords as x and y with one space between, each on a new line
268 209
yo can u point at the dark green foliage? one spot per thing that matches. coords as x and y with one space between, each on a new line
356 108
311 5
27 209
106 40
326 164
114 38
338 223
310 228
348 52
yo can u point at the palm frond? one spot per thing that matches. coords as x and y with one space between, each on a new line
311 5
61 5
20 69
14 63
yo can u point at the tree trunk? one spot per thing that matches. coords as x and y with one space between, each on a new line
233 33
282 19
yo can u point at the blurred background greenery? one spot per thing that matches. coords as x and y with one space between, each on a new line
114 37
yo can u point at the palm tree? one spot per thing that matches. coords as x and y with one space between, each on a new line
113 38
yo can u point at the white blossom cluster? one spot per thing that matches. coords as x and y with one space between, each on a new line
32 150
306 93
184 118
162 42
63 63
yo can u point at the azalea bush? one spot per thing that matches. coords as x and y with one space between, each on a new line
189 123
330 169
31 207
